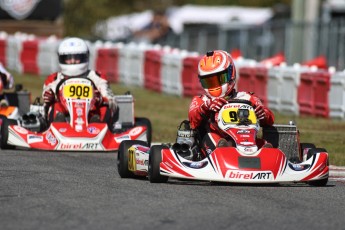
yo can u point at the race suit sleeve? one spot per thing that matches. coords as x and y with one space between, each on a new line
50 83
196 114
103 87
6 78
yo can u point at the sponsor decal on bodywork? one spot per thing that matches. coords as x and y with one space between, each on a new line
80 146
241 106
195 165
34 139
62 130
50 138
243 131
20 129
93 130
143 149
250 175
122 138
299 167
135 131
142 162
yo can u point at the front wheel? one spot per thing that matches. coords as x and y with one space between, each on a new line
123 159
319 183
324 181
5 123
155 159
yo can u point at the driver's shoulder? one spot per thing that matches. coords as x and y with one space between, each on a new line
50 78
96 75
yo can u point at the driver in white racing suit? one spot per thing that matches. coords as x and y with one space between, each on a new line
6 82
217 75
73 54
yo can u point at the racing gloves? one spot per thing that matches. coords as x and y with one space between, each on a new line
6 80
98 97
214 105
260 112
49 97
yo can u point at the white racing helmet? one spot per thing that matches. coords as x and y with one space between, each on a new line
76 49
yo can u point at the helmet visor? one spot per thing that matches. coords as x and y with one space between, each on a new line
215 80
73 58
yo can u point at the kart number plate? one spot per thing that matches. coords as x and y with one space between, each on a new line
230 116
249 162
77 91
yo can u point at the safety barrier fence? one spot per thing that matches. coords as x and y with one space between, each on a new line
297 90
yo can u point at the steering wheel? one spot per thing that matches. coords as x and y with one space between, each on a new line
240 101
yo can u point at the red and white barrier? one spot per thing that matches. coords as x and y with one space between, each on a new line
298 89
107 61
47 62
337 95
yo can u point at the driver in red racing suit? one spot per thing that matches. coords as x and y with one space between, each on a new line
74 62
217 75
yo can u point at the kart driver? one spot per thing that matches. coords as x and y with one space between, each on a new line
217 75
6 82
73 54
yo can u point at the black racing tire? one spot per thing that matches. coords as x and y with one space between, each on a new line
319 183
322 182
122 157
2 117
155 159
142 121
4 132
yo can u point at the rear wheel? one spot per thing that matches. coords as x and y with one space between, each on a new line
142 121
154 165
321 182
4 132
122 157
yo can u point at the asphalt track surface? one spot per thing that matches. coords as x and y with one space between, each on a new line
60 190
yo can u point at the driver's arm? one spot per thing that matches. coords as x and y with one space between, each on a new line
264 114
196 115
103 87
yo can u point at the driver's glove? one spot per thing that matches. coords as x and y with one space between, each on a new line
49 97
98 97
260 112
214 104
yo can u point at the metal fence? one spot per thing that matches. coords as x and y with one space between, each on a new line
298 41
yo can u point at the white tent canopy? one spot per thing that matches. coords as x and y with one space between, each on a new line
122 26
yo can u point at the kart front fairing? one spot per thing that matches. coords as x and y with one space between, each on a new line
61 136
227 164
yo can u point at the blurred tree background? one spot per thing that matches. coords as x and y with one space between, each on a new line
80 16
